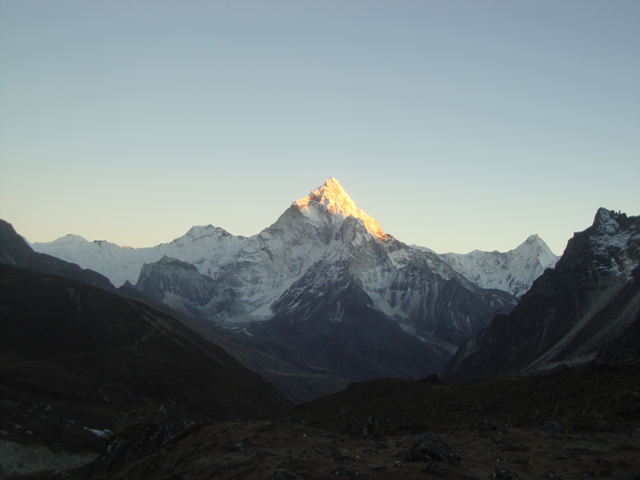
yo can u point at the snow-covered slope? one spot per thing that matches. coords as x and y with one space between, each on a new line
251 274
323 273
209 248
513 271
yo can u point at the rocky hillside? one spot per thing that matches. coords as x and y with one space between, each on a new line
74 357
15 251
589 303
582 423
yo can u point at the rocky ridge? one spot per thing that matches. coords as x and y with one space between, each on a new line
589 303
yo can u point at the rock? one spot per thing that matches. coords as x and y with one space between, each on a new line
265 427
554 474
431 447
584 446
57 475
223 466
433 469
556 428
504 474
431 378
516 448
493 425
630 476
283 474
339 456
374 427
140 440
606 427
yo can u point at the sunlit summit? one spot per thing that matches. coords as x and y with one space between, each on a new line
333 198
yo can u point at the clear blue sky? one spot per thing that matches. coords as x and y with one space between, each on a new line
457 125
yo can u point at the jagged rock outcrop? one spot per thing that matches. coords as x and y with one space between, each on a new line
590 302
180 285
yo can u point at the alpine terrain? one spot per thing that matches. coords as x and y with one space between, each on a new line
323 287
588 306
513 271
78 362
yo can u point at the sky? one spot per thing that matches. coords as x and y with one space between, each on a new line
457 125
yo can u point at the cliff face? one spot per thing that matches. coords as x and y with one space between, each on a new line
587 304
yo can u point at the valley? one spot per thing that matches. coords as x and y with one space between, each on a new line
321 347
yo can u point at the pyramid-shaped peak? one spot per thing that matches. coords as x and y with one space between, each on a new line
533 242
332 185
535 238
335 200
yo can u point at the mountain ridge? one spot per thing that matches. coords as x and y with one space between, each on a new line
587 304
322 253
513 271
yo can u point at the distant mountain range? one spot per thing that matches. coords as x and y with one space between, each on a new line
321 298
324 279
513 271
586 308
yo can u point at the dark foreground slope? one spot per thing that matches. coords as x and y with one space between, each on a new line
589 304
74 357
297 383
581 423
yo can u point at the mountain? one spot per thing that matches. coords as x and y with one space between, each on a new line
74 358
209 248
588 304
323 270
513 271
299 385
14 250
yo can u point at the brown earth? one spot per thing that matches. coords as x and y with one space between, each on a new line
582 423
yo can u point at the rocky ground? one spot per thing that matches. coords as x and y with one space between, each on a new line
582 423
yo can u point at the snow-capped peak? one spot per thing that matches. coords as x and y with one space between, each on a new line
513 271
69 239
533 238
615 238
332 198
